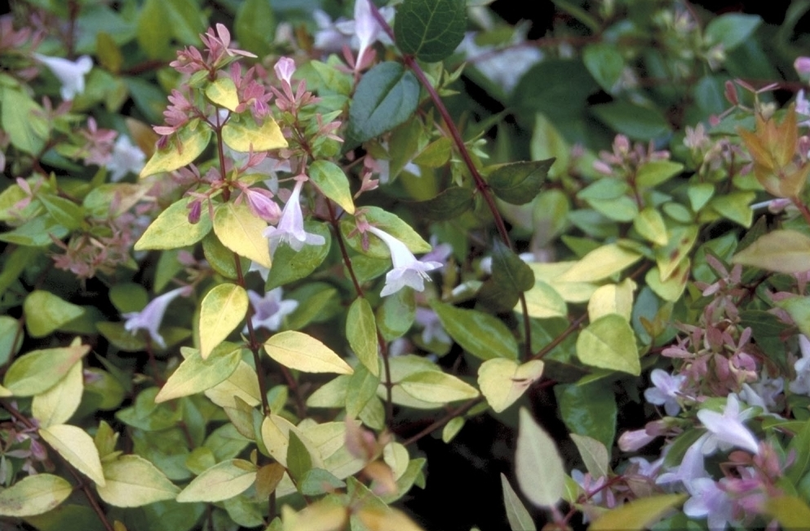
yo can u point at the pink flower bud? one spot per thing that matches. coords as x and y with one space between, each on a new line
731 93
802 66
194 211
285 67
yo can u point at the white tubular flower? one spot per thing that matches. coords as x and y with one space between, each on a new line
151 316
126 158
70 73
408 271
270 309
727 429
290 227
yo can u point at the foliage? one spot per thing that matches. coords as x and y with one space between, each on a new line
214 313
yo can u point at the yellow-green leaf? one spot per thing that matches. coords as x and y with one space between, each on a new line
275 433
323 515
244 135
46 312
77 447
671 288
437 387
57 404
639 514
601 263
543 302
185 146
361 331
172 230
609 343
301 352
242 232
34 495
375 518
196 374
612 298
517 515
503 381
132 481
38 371
243 383
220 482
783 251
222 92
650 224
222 310
792 513
538 465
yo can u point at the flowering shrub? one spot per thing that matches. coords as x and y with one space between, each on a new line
255 256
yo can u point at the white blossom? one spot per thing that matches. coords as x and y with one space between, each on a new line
70 73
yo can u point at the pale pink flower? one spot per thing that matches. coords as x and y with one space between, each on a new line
151 316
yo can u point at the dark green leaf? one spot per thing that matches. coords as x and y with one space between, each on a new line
604 62
589 410
386 96
635 121
299 462
479 333
509 269
430 29
731 29
449 204
519 182
254 25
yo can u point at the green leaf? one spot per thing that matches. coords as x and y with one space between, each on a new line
699 194
64 211
502 381
601 263
509 270
612 298
151 31
301 352
222 310
635 121
222 92
783 251
396 314
609 343
638 514
361 332
589 410
593 453
242 232
449 204
517 515
133 481
430 29
299 461
10 338
605 63
196 374
21 120
183 148
519 182
290 265
46 312
333 183
538 465
254 24
386 96
731 29
656 172
36 232
318 481
480 334
220 482
362 389
172 230
34 495
390 223
437 387
735 206
245 134
78 449
39 370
